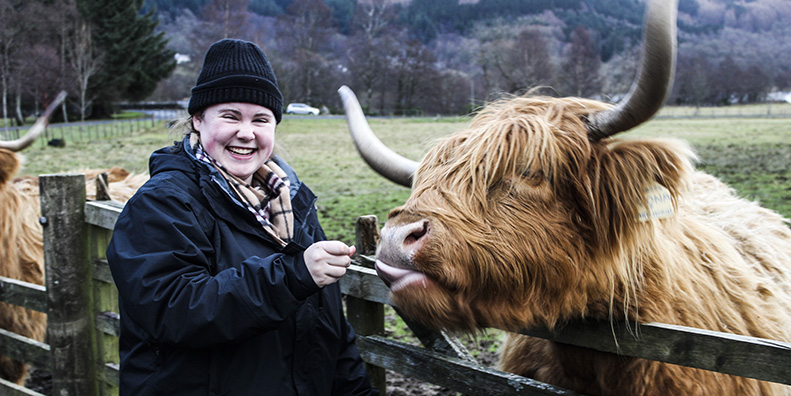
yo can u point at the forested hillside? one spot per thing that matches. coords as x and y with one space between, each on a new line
400 56
445 56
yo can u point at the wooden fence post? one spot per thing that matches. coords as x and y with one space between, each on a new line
70 316
367 317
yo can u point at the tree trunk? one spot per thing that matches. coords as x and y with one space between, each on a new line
20 119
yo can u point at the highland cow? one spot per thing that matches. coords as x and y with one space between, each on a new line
21 238
536 216
21 244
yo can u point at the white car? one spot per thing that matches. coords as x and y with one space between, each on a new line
301 108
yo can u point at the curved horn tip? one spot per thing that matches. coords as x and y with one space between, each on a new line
655 74
37 128
378 156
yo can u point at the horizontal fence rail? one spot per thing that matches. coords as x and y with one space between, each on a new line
442 360
744 356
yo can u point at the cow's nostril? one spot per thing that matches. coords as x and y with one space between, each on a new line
420 231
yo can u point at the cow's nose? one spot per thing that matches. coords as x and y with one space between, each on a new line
400 242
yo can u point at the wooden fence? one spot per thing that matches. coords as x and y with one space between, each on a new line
81 352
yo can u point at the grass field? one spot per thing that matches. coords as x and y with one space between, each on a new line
751 154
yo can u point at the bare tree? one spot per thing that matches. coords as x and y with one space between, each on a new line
693 80
579 72
526 62
305 30
368 50
414 72
85 62
374 17
619 72
228 17
11 27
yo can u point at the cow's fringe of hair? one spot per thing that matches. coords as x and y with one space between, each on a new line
21 257
544 140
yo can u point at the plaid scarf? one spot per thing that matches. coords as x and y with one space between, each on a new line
266 197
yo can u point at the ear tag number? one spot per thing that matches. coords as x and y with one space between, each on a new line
660 203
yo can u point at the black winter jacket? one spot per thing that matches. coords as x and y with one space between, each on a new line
210 305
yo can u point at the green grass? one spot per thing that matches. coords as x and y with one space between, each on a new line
751 154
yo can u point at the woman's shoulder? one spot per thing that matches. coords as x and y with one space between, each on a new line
170 185
290 172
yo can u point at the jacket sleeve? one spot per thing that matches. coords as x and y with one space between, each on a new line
160 259
351 377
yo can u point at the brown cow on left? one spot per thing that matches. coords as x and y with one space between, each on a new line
21 238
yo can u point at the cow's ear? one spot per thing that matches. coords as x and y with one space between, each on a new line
629 178
9 165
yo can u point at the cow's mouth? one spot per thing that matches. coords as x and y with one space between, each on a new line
398 278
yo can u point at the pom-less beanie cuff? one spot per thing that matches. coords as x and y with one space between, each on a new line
236 71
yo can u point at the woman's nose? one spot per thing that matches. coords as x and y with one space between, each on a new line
246 132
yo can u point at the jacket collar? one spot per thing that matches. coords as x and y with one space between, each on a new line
223 202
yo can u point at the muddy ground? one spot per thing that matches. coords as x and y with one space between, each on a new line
397 384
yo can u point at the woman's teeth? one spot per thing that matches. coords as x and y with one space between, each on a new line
240 151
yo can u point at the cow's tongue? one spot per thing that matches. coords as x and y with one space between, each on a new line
398 278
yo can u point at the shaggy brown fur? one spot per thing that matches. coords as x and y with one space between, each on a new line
22 249
532 224
21 257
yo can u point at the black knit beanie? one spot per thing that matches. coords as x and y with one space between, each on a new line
236 71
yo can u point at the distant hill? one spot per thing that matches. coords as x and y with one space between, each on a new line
617 22
729 50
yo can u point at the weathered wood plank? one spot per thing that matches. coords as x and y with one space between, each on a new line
25 294
722 352
362 282
110 374
456 374
109 323
744 356
8 388
106 304
367 317
101 271
24 349
102 187
437 341
70 327
103 213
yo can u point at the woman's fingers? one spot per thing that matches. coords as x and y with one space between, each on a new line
327 261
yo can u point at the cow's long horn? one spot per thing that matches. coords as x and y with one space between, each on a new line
654 79
378 156
36 129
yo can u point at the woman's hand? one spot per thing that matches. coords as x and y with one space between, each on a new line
327 261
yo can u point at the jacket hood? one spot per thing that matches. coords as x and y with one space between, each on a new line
171 158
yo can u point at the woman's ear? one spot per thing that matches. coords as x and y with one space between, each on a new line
196 122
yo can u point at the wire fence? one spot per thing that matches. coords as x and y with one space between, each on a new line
62 134
72 132
776 109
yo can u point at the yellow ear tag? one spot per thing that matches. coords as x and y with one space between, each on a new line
660 203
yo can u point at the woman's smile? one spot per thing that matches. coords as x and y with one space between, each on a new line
239 136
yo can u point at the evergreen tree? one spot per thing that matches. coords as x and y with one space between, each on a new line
135 56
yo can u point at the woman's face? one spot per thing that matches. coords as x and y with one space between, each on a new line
239 136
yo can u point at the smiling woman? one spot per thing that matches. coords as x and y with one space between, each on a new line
222 267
